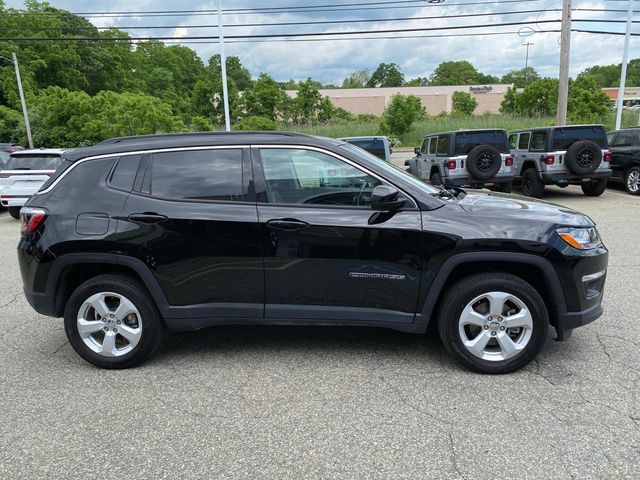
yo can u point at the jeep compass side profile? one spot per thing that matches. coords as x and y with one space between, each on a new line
136 235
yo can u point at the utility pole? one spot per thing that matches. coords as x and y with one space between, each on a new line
21 92
526 60
223 63
623 73
565 45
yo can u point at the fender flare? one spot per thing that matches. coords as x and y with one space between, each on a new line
556 308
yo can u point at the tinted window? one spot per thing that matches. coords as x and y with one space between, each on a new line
33 162
198 174
539 141
564 137
443 145
432 146
125 172
523 143
4 157
466 141
625 139
610 137
313 178
373 145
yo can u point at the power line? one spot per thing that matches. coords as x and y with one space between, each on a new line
290 9
287 35
314 22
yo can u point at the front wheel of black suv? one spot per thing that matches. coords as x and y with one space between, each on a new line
493 322
594 188
112 322
532 184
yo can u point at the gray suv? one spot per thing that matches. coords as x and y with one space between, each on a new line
474 158
561 156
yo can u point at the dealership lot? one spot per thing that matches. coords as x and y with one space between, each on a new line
306 402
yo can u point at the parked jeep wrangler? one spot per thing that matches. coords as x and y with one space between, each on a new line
561 156
474 158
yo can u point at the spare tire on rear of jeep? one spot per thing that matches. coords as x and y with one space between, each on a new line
583 157
484 162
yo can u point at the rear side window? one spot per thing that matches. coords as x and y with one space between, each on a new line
443 145
564 137
626 139
198 174
512 140
523 143
539 141
124 174
33 162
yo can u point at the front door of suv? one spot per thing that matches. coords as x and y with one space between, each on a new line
328 256
192 220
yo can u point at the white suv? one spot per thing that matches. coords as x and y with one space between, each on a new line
23 175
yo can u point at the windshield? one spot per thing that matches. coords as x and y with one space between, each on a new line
564 137
466 141
425 187
33 162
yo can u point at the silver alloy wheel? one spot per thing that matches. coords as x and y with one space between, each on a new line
109 324
495 326
633 181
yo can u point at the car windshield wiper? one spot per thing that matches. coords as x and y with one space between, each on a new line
451 192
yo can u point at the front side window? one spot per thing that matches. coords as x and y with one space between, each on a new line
443 146
432 145
306 177
523 143
198 174
539 141
425 146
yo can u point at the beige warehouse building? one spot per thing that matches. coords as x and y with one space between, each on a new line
434 99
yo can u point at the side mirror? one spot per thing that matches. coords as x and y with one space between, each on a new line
417 151
385 198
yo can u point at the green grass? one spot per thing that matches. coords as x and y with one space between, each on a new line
440 124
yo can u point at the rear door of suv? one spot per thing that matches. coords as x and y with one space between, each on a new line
328 256
192 220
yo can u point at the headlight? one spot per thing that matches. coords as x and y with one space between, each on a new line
580 238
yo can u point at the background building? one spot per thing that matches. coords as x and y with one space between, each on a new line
631 95
434 99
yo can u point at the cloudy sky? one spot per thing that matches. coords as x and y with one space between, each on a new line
332 60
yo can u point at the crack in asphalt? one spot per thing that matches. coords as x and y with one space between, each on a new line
604 347
13 299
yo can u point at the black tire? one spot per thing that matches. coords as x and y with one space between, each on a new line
436 179
532 184
583 157
484 162
504 187
631 179
463 292
152 325
14 212
594 188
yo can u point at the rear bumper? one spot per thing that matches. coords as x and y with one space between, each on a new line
14 200
568 177
41 302
468 180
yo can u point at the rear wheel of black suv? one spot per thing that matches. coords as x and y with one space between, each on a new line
112 322
532 184
14 212
632 180
493 322
594 188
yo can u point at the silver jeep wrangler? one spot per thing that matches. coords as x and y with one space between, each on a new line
473 158
561 156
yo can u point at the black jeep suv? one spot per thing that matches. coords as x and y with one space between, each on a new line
186 231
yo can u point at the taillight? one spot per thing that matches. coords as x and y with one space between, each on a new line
550 160
4 175
452 164
32 218
607 157
508 162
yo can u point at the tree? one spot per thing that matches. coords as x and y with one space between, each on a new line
587 102
521 78
417 82
265 98
235 71
401 112
609 75
463 103
357 79
458 73
539 98
256 123
309 106
386 75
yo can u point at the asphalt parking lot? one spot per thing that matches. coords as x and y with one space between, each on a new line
304 402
